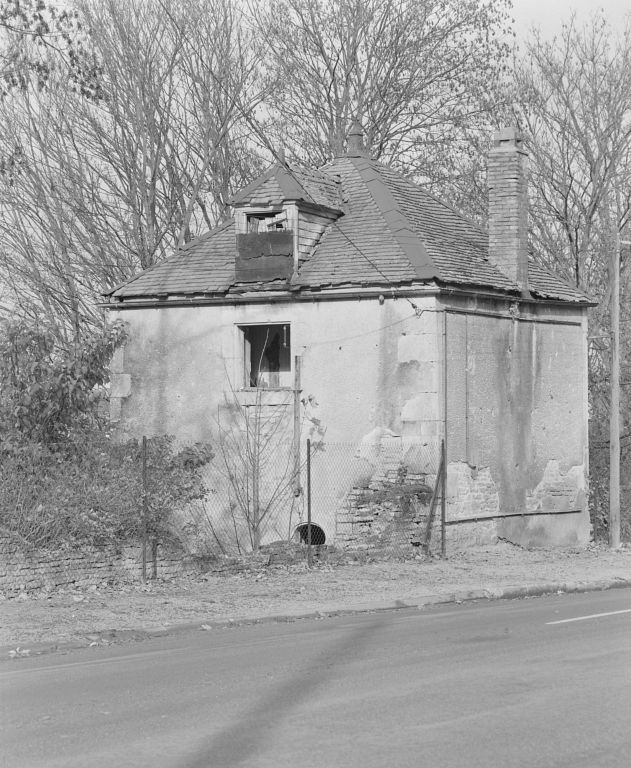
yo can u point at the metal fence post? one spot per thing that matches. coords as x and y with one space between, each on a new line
309 553
144 508
443 503
297 415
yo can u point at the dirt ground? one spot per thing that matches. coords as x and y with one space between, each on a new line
101 616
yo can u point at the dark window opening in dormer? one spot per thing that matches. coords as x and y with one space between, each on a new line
267 356
267 222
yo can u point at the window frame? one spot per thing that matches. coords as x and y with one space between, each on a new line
246 358
274 217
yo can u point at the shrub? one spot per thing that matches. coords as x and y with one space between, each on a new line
62 478
46 392
88 489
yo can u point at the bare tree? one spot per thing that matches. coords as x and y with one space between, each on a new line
50 260
132 145
220 126
576 108
180 82
422 76
255 455
29 31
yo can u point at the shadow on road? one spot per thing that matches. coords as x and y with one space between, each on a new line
247 737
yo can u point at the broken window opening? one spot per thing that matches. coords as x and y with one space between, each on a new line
267 356
267 222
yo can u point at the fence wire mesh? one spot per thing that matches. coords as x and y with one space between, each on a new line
377 497
211 501
372 497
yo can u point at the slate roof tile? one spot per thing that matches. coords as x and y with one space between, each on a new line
205 265
545 284
391 231
269 193
322 188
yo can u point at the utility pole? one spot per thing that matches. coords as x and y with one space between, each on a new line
614 412
614 416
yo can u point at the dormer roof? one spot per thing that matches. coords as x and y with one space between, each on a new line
282 183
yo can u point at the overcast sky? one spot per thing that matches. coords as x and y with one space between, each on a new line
548 14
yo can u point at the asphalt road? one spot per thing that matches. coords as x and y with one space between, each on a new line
539 682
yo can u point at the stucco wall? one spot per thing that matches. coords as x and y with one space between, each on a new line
369 368
365 365
517 416
514 385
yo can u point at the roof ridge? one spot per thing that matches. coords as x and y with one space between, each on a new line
249 188
307 170
397 222
420 188
285 171
285 178
416 186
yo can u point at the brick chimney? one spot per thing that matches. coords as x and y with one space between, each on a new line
508 206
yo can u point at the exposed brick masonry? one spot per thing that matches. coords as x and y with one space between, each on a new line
391 514
25 569
508 206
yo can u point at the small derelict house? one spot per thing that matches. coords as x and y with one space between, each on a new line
410 324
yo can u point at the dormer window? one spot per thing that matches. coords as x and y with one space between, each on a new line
266 243
279 220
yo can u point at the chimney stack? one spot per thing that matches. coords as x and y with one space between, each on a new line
508 206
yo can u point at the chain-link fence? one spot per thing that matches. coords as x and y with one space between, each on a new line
384 499
380 498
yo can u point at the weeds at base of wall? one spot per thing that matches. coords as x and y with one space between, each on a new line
25 571
290 555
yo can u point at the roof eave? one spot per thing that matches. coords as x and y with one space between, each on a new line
513 293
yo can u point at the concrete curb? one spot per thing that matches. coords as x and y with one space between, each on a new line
423 601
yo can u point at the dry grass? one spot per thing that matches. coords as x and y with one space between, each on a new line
100 615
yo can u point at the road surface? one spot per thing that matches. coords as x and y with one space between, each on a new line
539 682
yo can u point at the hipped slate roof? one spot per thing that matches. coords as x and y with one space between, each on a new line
389 232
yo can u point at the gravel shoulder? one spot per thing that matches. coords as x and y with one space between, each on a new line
101 616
